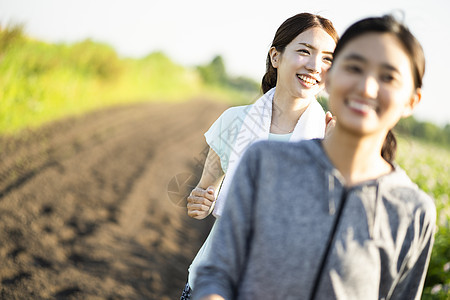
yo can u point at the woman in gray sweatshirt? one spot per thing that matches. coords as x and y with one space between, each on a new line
333 218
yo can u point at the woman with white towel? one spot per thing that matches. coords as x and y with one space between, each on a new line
300 54
332 218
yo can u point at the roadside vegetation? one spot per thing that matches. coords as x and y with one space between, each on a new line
41 82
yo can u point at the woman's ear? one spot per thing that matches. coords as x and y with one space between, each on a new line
415 99
274 57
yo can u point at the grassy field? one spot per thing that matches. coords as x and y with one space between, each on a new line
41 82
428 166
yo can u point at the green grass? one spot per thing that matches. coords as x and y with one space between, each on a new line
41 82
428 165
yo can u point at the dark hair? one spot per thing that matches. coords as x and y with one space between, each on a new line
388 24
288 31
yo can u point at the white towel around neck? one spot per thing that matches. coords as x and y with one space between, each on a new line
256 127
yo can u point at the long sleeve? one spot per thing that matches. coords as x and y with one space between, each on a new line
276 223
223 267
411 279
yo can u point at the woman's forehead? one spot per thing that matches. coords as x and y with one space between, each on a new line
315 37
380 48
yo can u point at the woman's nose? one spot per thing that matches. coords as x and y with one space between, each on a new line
369 87
314 64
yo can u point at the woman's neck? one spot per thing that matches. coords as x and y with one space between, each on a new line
286 111
357 158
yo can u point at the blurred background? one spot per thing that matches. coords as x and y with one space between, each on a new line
117 43
62 61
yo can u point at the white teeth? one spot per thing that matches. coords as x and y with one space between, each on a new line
307 79
364 107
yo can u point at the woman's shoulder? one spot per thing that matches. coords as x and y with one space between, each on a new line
274 149
234 114
232 117
235 111
399 187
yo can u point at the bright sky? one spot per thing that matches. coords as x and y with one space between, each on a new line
193 32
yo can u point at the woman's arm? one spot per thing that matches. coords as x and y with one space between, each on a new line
221 271
202 197
410 281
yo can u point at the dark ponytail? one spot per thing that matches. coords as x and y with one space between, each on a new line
269 79
287 32
389 148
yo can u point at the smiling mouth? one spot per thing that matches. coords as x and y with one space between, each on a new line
308 81
362 106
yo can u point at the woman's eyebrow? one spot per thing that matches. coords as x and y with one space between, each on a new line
354 56
390 68
360 58
314 48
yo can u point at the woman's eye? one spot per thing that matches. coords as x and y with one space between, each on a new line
328 59
303 51
353 69
387 78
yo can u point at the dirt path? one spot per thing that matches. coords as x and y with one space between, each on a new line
89 206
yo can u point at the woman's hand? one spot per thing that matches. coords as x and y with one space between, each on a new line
330 122
201 199
200 202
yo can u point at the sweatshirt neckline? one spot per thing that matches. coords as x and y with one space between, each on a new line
323 158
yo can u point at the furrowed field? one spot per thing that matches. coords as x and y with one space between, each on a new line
88 144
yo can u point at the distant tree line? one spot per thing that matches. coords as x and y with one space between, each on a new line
425 130
410 126
214 73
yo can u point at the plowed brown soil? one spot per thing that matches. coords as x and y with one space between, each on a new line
92 207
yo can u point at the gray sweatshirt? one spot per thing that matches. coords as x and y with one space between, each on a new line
279 237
